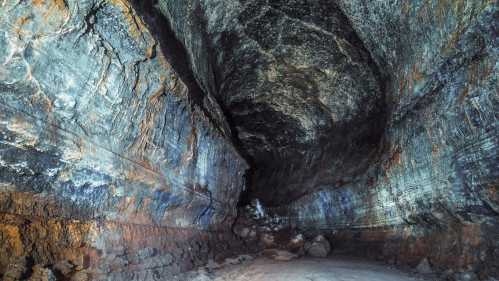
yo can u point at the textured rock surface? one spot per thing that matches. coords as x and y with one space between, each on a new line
418 182
294 79
434 192
371 121
318 248
102 147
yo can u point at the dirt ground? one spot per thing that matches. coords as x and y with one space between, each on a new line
306 269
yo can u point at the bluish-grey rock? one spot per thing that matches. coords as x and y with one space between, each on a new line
372 120
319 247
433 192
102 146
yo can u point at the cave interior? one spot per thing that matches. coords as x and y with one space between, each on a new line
219 139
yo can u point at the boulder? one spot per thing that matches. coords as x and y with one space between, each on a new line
268 240
318 248
296 244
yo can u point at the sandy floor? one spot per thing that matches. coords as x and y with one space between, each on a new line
308 269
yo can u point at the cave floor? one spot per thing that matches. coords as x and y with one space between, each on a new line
310 269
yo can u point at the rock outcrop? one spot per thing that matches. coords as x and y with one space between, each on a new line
107 160
319 247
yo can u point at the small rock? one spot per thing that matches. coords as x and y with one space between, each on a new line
296 244
252 234
79 265
424 267
267 240
246 258
146 252
212 265
202 275
232 261
237 260
465 276
42 274
318 248
64 267
447 274
244 232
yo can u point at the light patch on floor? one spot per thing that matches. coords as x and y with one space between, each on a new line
307 269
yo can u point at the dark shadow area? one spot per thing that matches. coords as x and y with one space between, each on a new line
271 174
178 57
171 47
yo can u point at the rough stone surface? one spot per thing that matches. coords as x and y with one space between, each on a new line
106 161
386 137
123 127
319 247
293 79
434 190
296 244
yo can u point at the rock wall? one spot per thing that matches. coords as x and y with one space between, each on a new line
377 119
110 167
434 191
293 78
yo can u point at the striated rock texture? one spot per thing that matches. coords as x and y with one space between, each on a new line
110 167
433 193
123 127
293 79
373 121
